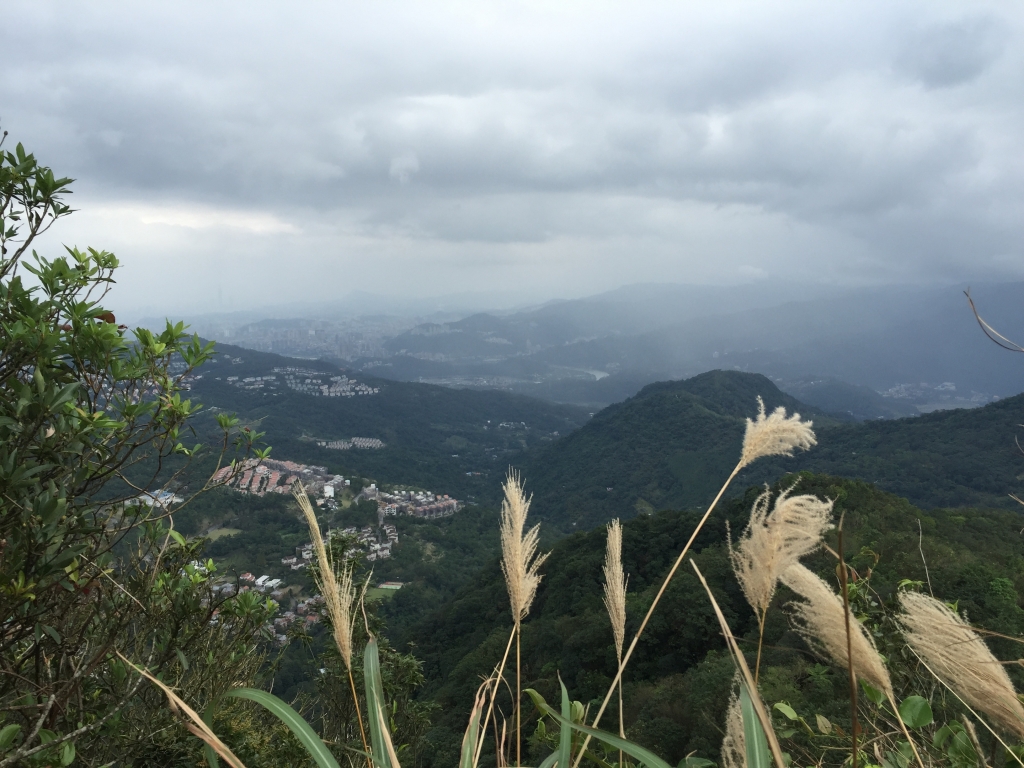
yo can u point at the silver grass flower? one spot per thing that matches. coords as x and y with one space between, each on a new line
775 435
961 659
615 582
734 745
339 592
821 620
520 559
775 540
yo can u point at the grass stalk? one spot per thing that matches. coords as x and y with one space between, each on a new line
760 643
499 670
969 708
359 714
854 722
519 698
654 604
741 663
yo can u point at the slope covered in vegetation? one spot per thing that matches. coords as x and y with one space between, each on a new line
677 684
674 443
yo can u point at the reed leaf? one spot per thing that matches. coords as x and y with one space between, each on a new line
467 758
293 721
383 751
565 734
642 755
754 740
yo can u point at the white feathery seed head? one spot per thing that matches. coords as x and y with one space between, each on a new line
821 620
339 595
520 560
734 745
775 540
615 582
775 435
961 659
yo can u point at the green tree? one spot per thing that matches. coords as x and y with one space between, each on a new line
93 580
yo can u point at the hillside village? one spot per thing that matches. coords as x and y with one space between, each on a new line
305 380
329 492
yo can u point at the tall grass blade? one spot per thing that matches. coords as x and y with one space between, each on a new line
746 678
565 735
640 754
758 755
380 739
467 759
293 721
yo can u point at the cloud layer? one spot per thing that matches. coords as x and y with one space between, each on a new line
278 153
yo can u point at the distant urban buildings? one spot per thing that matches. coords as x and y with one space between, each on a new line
305 380
274 476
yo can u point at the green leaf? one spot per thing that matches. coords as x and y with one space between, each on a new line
469 739
824 724
67 753
7 735
916 712
941 736
753 734
177 537
565 734
874 695
641 754
380 739
695 762
787 710
292 719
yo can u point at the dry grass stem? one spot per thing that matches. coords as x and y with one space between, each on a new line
775 540
734 745
775 435
821 620
197 727
743 669
960 659
520 560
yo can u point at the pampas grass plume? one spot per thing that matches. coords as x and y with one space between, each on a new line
615 585
775 435
734 745
962 660
774 541
520 560
821 620
339 595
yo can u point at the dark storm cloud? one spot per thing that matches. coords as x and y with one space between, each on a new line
438 147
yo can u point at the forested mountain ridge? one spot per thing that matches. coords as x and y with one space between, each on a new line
674 443
678 681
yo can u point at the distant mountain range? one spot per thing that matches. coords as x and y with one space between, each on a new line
920 347
673 444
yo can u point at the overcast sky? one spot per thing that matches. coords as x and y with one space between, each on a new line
238 154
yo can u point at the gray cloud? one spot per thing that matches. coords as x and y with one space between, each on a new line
319 148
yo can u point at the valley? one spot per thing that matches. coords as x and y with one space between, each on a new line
654 460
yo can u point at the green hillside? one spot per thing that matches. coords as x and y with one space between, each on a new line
674 443
433 435
677 684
